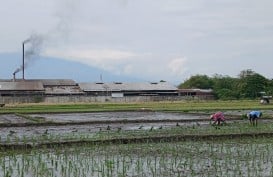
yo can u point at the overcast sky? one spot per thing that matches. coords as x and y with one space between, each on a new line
150 39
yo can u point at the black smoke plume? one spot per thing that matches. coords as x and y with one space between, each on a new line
33 47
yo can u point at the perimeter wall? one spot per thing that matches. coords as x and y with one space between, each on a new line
86 99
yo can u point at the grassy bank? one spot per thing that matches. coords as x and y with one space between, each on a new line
186 106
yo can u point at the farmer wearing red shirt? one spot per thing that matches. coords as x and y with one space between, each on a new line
218 117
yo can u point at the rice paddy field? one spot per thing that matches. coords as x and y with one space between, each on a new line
248 157
141 140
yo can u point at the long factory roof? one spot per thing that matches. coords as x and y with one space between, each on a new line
42 84
135 86
22 86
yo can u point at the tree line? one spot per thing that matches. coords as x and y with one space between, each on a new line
248 85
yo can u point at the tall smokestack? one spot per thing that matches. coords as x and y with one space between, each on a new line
23 66
14 78
35 44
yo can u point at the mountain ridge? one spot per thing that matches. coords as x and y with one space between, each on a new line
57 68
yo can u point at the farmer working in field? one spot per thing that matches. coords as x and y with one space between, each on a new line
218 118
253 116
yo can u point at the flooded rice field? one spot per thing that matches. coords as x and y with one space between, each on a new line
226 158
112 116
232 157
88 124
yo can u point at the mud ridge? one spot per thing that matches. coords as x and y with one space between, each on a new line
153 139
124 121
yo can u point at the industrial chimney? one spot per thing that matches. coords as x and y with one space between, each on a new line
23 66
14 78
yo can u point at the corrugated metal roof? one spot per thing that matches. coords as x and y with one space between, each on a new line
56 82
63 90
143 86
21 86
46 82
38 85
93 87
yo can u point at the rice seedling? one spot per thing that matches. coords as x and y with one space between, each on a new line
191 158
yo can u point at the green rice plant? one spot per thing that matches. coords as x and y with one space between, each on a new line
188 158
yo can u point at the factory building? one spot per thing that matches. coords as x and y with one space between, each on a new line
55 87
66 90
119 89
20 92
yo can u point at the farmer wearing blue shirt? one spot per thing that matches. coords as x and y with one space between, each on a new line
253 116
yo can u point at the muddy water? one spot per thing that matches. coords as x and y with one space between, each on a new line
106 116
162 121
88 129
10 118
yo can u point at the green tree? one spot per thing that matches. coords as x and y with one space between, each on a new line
225 87
251 85
246 73
269 87
197 81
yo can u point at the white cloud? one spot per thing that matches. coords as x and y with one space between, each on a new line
108 59
145 65
178 66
